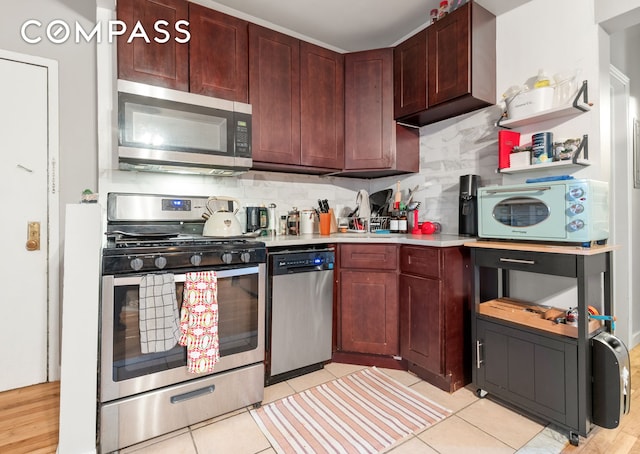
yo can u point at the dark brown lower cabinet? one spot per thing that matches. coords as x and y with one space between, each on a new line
368 302
434 314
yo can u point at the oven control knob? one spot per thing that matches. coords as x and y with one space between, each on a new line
245 257
576 208
227 257
160 262
576 225
196 260
136 264
576 193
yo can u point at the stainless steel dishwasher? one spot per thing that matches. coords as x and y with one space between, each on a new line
299 312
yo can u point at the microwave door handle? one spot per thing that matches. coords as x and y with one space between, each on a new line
527 189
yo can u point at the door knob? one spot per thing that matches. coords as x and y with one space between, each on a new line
33 236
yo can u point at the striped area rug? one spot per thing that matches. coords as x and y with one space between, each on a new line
364 412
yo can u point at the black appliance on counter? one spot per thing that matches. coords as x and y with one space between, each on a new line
468 205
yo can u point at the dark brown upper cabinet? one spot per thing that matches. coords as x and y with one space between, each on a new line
374 144
218 58
274 78
448 69
160 64
321 107
410 75
213 63
297 97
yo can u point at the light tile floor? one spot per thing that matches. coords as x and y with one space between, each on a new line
477 425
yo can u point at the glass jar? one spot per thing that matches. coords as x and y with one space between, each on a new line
394 223
402 222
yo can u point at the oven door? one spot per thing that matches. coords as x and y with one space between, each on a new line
125 370
531 212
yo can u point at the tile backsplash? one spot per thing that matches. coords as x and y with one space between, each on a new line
448 149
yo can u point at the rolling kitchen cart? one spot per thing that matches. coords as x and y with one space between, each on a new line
521 354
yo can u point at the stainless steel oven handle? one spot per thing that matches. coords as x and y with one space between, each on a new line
527 189
135 280
192 394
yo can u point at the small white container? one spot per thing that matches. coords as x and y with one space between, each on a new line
529 102
307 222
520 159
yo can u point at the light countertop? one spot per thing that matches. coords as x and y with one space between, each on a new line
436 240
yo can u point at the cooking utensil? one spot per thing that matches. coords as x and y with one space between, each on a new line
379 201
222 223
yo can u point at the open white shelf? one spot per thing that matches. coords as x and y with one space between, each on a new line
579 105
551 165
556 112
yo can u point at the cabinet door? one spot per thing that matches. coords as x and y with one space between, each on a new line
536 372
321 107
369 109
421 322
410 75
161 64
274 78
449 44
218 54
369 312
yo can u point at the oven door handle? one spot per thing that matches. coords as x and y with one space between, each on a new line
135 280
525 189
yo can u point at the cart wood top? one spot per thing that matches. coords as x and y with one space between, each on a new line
543 247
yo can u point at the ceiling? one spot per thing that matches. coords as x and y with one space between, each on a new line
346 26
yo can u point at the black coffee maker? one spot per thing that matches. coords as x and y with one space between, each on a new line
468 208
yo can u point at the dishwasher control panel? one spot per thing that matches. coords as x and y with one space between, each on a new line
302 261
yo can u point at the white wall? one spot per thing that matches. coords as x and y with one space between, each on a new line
624 56
77 78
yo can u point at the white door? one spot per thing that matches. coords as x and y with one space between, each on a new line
25 142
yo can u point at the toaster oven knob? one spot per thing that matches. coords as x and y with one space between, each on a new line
576 208
576 225
576 193
136 264
196 260
245 257
227 257
160 262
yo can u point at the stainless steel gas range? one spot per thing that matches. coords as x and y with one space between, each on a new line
144 395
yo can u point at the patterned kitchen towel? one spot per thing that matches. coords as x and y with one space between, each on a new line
158 313
199 321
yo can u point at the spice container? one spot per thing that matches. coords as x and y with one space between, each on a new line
444 9
282 228
402 222
433 15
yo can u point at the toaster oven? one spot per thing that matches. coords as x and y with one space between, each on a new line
572 211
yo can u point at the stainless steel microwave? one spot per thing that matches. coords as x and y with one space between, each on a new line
572 211
164 130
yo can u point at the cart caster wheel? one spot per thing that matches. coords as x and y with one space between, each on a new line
574 438
257 405
481 393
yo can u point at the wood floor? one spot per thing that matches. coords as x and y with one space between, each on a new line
29 421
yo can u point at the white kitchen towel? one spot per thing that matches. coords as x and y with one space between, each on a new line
158 314
364 208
